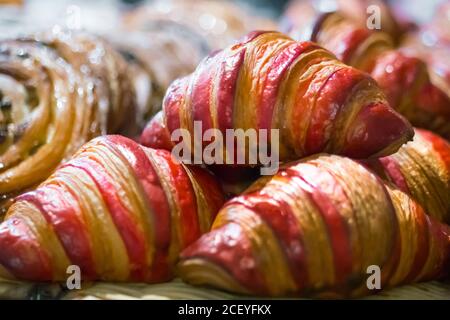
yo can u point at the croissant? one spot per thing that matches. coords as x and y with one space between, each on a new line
404 78
57 91
421 168
119 211
315 230
269 81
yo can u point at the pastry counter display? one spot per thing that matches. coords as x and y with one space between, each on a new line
359 120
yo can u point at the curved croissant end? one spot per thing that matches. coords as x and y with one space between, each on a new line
421 168
119 211
313 230
409 87
269 81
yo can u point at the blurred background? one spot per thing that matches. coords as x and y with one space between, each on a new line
104 15
170 37
163 40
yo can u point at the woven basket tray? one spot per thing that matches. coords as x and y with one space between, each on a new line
179 290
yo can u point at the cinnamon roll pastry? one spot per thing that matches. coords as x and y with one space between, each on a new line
117 210
57 90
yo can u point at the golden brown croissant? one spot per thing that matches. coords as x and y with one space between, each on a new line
269 81
316 229
404 78
57 91
421 168
119 211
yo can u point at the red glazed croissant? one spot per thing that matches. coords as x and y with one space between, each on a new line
421 168
404 79
57 91
268 81
120 211
314 229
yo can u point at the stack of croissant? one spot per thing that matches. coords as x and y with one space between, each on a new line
314 227
60 89
357 187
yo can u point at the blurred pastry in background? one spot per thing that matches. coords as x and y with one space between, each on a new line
425 44
431 42
220 22
99 17
167 39
11 2
157 56
358 10
441 21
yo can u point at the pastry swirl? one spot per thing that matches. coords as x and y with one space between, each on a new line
57 92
